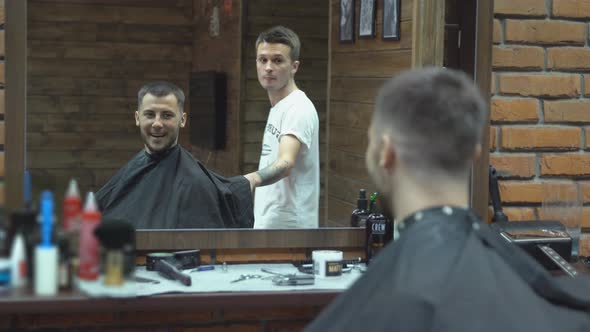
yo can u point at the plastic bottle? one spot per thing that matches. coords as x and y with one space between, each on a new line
89 248
360 214
72 207
46 253
18 263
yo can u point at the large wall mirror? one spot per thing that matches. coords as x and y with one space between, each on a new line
86 59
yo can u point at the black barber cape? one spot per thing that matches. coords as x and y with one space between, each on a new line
450 272
174 190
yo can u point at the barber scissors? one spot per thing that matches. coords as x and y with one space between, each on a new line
247 277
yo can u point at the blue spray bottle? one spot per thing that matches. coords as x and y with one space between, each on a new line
46 255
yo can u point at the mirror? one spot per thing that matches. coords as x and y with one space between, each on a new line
87 59
355 72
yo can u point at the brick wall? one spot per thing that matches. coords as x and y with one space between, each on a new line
540 110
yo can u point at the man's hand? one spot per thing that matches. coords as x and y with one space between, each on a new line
254 180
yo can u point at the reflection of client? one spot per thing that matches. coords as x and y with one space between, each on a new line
448 271
164 186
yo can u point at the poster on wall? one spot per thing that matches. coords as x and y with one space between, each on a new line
346 21
367 19
391 12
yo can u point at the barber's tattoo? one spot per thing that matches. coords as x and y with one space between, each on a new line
273 172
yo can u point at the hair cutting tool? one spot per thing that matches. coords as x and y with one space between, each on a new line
170 271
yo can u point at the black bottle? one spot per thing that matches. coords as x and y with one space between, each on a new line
359 215
378 232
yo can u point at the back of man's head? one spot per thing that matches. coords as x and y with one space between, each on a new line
161 89
281 35
435 118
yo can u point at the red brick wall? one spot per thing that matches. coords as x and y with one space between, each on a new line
539 107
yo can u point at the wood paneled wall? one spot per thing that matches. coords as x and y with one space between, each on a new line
309 19
2 83
357 71
86 62
221 53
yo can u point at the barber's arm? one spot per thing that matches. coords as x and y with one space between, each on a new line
288 150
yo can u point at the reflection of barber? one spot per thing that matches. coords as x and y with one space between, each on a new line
390 24
346 19
448 271
164 186
288 179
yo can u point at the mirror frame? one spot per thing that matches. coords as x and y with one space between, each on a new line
425 13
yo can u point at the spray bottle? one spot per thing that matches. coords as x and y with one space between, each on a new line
72 208
46 254
89 249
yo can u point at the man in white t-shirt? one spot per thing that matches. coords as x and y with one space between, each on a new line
287 182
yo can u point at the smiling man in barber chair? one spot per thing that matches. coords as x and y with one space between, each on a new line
164 186
448 271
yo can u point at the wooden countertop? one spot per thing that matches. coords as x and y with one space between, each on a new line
23 301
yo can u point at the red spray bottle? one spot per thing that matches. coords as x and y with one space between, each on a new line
89 248
72 208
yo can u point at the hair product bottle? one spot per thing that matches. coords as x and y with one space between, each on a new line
89 254
72 207
359 216
378 232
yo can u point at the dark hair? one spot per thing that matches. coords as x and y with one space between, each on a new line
435 117
161 89
281 35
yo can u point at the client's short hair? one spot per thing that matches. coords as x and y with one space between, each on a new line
435 117
161 89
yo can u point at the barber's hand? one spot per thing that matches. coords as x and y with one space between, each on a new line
254 180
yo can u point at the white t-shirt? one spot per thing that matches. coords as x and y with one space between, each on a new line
292 202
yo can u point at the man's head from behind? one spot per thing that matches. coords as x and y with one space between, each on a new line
277 57
427 125
160 115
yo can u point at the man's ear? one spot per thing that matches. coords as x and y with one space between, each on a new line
294 67
387 153
183 120
137 118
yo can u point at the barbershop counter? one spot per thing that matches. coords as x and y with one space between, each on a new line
272 309
265 308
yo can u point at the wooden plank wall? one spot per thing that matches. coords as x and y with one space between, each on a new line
221 53
2 81
86 62
309 19
357 72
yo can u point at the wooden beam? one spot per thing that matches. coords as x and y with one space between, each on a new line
16 102
482 74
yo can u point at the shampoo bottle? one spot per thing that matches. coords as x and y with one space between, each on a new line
378 232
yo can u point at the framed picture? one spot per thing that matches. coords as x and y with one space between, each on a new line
391 11
367 19
346 21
